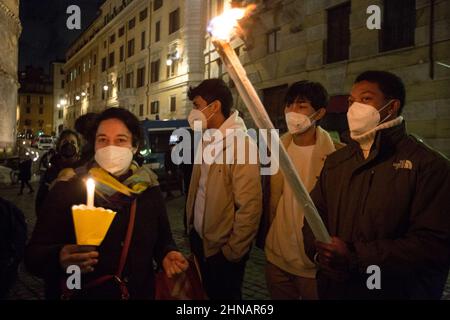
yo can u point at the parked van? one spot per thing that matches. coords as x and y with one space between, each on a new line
45 143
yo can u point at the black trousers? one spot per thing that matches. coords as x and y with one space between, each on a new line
222 279
27 183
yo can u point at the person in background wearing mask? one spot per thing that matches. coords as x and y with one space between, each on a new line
384 200
67 154
224 200
122 266
289 272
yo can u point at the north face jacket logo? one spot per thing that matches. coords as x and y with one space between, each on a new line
403 164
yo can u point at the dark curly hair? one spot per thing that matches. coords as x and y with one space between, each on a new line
128 119
211 90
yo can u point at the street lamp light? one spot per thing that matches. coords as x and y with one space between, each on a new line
58 106
83 94
63 102
77 98
105 87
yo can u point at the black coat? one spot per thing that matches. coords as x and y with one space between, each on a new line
151 241
57 164
393 210
25 170
13 237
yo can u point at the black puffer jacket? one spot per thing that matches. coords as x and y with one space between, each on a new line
393 210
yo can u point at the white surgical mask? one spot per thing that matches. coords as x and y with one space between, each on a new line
299 123
116 160
363 117
198 115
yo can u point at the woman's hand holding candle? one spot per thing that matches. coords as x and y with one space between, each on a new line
83 256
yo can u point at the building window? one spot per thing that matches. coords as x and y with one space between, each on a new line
28 99
28 110
174 21
131 23
172 70
129 80
155 71
62 84
154 107
112 38
399 23
141 110
95 59
140 77
93 89
273 41
27 122
60 114
41 123
173 103
157 4
143 40
338 36
104 44
143 14
121 31
41 100
41 110
104 64
111 59
121 53
158 31
130 48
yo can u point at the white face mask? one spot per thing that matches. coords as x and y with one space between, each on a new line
116 160
198 115
363 117
299 123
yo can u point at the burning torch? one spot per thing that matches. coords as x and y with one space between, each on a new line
221 29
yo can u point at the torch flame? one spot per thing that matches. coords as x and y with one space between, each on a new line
223 27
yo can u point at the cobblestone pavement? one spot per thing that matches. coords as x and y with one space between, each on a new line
29 287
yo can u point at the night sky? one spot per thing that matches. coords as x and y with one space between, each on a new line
45 37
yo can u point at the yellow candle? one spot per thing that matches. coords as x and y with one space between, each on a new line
90 186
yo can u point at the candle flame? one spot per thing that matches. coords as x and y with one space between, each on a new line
90 183
223 27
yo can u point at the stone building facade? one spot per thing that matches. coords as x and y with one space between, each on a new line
10 29
35 103
59 100
329 41
141 55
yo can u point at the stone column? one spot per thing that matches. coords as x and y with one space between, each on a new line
10 29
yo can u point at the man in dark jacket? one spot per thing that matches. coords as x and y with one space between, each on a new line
384 200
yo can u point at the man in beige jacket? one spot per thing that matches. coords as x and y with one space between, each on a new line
289 272
224 203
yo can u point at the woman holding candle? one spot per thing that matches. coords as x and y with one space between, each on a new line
125 188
